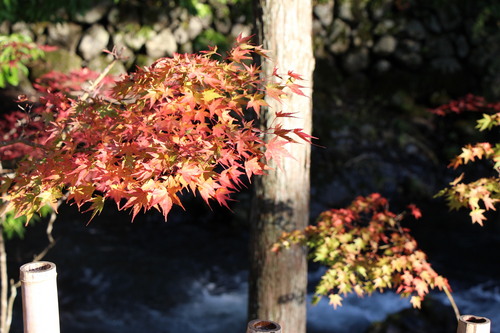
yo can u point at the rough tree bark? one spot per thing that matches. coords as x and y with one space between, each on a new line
281 199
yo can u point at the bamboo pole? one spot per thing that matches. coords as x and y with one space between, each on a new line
257 326
473 324
39 290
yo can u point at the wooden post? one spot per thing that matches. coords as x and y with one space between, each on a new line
473 324
257 325
39 290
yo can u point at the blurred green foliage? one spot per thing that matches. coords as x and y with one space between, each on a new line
16 52
40 10
205 7
16 226
486 13
196 7
59 10
212 38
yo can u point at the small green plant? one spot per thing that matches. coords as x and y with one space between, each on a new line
16 52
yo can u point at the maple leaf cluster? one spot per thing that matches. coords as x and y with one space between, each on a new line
482 194
73 84
469 102
366 249
23 131
16 142
183 124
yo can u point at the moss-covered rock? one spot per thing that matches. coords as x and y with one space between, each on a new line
59 60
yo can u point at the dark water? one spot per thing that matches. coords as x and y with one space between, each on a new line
190 275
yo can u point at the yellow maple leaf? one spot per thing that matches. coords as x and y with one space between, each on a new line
416 301
335 300
477 216
209 95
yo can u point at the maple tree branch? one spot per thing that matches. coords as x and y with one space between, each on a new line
50 227
19 124
452 301
23 141
116 56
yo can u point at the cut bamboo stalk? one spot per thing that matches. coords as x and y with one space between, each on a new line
258 325
39 290
473 324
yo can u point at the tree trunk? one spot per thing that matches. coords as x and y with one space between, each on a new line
281 199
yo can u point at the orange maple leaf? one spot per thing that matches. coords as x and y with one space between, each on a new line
256 102
275 91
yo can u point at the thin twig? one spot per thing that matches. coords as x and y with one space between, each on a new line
52 242
100 78
10 306
50 227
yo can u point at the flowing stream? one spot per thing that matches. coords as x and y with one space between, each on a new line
182 276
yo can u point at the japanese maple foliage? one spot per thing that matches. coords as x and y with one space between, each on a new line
24 130
366 249
482 194
74 83
184 123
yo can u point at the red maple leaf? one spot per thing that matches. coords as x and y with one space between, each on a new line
238 54
275 149
295 88
415 211
294 75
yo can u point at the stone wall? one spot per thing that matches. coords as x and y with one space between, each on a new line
355 36
143 33
429 37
